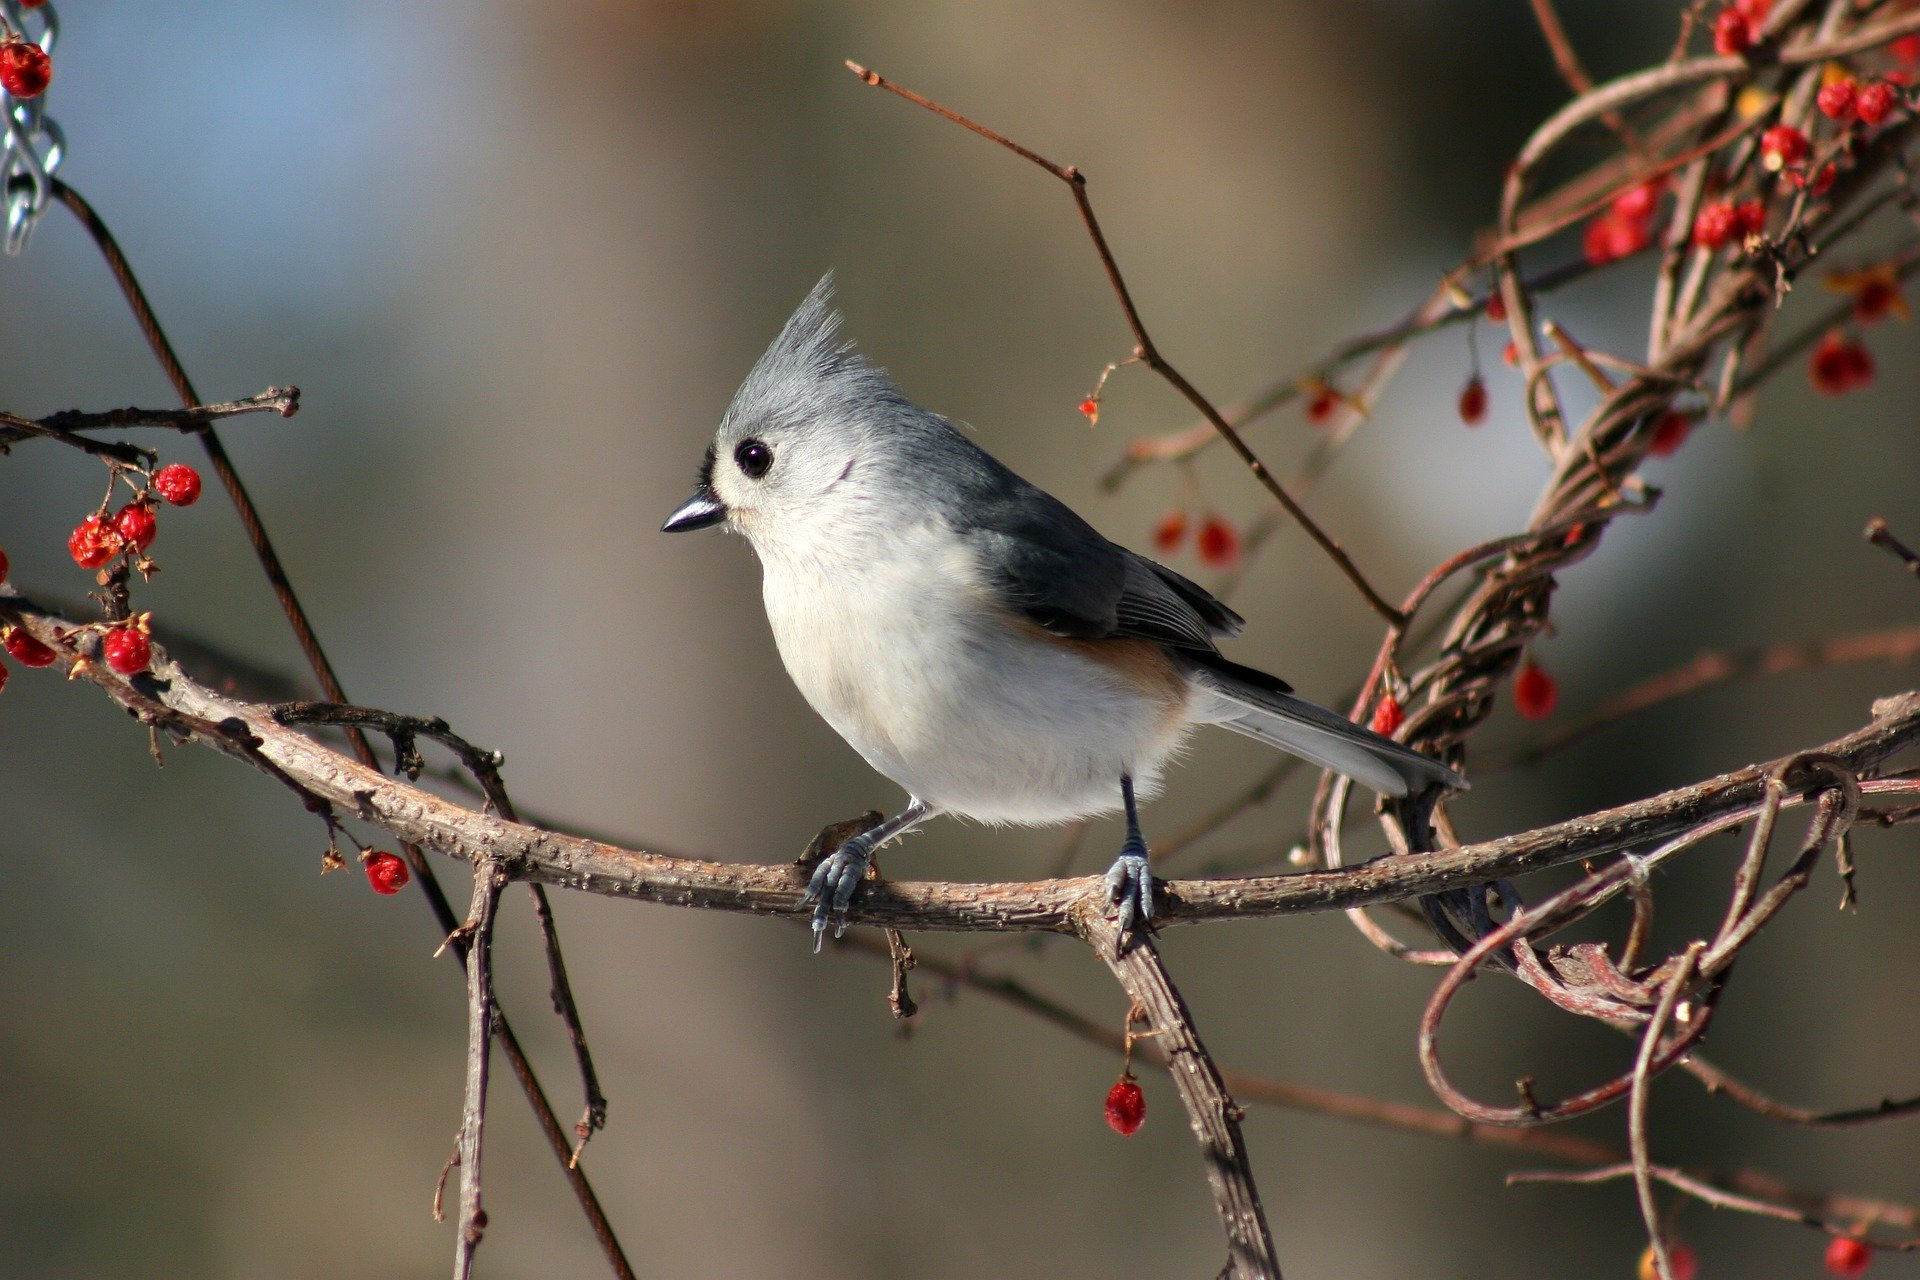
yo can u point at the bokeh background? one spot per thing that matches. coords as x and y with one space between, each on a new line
517 259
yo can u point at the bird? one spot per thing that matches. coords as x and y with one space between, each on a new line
968 634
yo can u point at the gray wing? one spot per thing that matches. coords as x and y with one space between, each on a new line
1052 567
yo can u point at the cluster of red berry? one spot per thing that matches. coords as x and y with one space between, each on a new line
1851 105
127 647
25 68
1215 540
1626 227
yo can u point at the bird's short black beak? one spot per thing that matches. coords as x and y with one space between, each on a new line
702 511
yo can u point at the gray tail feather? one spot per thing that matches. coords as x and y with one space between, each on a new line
1253 705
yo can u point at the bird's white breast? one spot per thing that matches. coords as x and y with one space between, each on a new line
896 642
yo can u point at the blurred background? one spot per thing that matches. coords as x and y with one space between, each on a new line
517 261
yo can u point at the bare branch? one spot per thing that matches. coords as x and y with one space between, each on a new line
577 863
488 881
284 401
1211 1111
1144 348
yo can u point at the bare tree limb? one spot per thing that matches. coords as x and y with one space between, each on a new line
1211 1111
576 863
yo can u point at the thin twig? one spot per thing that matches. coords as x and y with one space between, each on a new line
1637 1106
284 401
484 768
1901 644
15 427
488 881
322 667
1144 348
1552 1143
1567 62
1880 536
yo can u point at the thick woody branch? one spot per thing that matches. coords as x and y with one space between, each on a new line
526 853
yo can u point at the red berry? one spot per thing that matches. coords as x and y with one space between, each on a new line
1754 11
1781 146
3 566
1849 1257
385 872
1126 1105
1218 543
25 68
1320 408
1906 49
1611 237
1876 297
93 543
1534 692
1496 307
1091 408
1714 225
1837 100
1669 433
1861 361
1750 218
1473 401
1682 1263
1821 180
1170 532
1840 365
1875 102
179 483
1640 200
136 524
1731 33
26 650
1388 716
127 650
1511 352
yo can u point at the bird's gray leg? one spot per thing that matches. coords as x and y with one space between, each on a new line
1129 881
841 871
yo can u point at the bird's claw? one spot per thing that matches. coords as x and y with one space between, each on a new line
831 888
1130 890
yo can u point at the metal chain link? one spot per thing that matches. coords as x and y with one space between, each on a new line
35 146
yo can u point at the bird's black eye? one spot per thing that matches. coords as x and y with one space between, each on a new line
754 458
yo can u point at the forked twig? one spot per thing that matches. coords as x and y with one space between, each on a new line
1144 348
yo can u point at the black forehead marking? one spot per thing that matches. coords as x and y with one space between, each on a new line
706 469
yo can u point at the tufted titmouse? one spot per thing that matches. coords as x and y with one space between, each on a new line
972 638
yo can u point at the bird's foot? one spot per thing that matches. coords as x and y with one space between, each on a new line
1130 890
834 880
